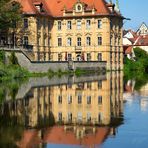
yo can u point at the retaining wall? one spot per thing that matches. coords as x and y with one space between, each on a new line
44 66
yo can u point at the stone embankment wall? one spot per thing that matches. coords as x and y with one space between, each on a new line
44 66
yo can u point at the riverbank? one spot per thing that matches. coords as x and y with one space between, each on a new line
12 70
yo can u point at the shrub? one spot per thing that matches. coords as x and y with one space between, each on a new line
13 59
2 56
141 63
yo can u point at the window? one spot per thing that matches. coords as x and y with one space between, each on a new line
79 116
59 25
100 84
25 23
78 24
69 99
59 57
69 41
111 40
99 56
88 23
25 42
99 24
59 41
69 26
111 57
99 40
44 23
88 99
88 57
78 57
60 116
48 41
99 99
119 59
60 99
79 99
88 117
79 7
69 117
88 85
78 41
88 41
115 41
99 117
49 25
38 23
69 57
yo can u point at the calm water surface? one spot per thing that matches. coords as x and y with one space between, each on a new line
100 111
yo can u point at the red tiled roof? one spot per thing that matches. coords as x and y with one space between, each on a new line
55 7
58 135
127 49
62 137
131 31
142 41
29 139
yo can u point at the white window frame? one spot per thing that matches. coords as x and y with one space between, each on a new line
79 24
25 40
69 25
99 40
79 42
59 25
99 24
69 41
88 24
99 56
88 41
59 41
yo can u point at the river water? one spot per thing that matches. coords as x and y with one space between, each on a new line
99 111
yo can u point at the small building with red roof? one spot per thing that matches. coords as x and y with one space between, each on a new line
133 39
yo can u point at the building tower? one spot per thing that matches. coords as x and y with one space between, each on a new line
117 6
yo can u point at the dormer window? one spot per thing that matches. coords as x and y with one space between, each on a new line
79 8
39 6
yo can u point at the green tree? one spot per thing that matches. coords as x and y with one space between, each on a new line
10 14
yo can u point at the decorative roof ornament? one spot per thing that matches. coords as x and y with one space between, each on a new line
117 6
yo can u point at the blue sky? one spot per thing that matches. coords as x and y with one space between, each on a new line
137 10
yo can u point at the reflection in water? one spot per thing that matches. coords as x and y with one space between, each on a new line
130 93
81 113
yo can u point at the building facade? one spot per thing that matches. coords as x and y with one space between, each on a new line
77 30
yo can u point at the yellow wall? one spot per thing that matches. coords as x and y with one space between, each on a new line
44 38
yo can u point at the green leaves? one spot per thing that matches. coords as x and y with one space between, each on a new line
138 69
9 13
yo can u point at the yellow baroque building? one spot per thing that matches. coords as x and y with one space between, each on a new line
89 110
72 30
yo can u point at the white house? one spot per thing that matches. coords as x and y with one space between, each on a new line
143 30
